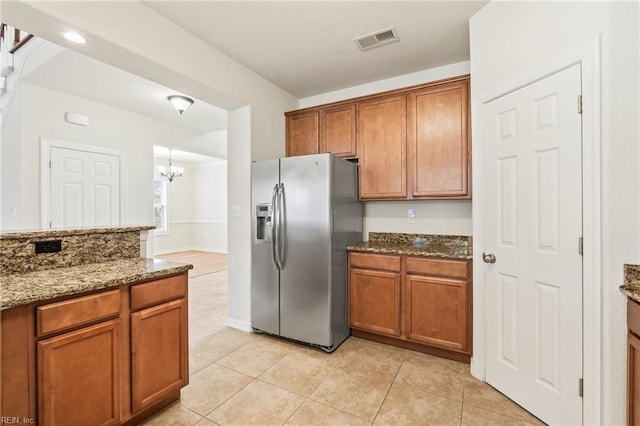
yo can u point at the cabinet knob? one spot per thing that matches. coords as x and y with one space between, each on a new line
489 258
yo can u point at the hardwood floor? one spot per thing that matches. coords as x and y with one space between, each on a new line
203 262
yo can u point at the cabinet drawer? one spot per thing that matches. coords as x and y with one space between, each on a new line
375 261
633 317
158 291
438 267
71 313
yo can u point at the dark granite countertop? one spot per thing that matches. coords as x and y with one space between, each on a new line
631 286
446 246
17 289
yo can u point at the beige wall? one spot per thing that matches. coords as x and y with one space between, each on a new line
131 36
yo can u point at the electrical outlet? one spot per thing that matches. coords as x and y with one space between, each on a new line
51 246
236 211
411 214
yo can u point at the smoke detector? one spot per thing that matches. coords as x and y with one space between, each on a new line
377 38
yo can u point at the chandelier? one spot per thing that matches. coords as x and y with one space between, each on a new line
170 172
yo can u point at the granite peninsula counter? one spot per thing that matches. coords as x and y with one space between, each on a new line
17 289
90 329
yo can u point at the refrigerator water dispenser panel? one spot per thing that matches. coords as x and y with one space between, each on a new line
263 222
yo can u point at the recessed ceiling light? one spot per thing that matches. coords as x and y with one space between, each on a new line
74 37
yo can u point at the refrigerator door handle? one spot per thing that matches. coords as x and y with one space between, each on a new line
282 226
274 227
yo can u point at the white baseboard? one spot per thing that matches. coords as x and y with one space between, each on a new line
174 250
239 324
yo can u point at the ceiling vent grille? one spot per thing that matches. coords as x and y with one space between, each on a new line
376 39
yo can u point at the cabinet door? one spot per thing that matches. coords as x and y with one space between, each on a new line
159 352
438 140
374 301
79 377
438 312
382 147
302 133
633 380
338 131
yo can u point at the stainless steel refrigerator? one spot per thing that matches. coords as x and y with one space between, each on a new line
305 210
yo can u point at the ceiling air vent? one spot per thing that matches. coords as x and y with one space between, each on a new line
378 38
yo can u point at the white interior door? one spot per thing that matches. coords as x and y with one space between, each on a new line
85 188
533 223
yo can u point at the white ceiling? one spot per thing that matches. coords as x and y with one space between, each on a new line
306 47
80 75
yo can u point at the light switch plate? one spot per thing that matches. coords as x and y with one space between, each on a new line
236 211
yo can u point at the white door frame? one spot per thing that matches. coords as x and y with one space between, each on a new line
587 55
45 176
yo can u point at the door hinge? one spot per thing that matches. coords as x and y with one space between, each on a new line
580 387
580 246
579 104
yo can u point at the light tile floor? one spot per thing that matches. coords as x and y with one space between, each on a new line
239 378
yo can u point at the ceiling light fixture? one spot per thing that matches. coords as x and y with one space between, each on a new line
74 37
181 103
170 172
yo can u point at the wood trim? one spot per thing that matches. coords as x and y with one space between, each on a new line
21 43
418 347
382 94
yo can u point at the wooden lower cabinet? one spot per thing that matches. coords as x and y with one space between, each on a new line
79 377
159 347
112 357
437 312
423 305
366 291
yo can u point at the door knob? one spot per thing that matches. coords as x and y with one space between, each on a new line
488 258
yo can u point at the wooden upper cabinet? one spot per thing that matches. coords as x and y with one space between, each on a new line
302 133
338 130
382 146
438 140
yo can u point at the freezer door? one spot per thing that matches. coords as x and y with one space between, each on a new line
305 280
265 294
